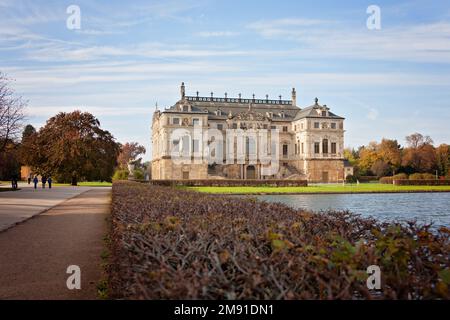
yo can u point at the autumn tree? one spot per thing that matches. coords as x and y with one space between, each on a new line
11 113
389 152
72 146
420 155
130 152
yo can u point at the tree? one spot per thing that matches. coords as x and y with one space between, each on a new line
443 159
368 155
389 152
11 113
72 146
130 152
417 140
420 155
380 168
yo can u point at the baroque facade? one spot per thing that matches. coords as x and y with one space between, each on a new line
310 140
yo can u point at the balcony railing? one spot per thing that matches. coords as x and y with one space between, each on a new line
239 100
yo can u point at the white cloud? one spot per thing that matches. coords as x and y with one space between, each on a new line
48 111
315 38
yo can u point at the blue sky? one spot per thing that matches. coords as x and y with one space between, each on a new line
129 55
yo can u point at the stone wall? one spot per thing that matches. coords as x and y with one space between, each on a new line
318 170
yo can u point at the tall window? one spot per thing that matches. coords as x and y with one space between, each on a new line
333 147
316 125
285 150
219 126
316 147
195 145
303 149
186 140
325 146
176 121
196 122
285 129
324 113
333 125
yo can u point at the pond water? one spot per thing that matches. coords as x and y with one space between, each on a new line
423 207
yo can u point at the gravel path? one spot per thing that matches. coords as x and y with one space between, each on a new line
35 254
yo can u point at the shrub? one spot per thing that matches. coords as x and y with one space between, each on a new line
138 174
168 243
120 174
400 176
422 176
389 180
416 176
428 176
350 179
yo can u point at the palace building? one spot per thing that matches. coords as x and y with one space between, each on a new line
311 139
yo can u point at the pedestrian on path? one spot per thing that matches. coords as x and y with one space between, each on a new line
44 181
35 181
49 180
14 182
29 179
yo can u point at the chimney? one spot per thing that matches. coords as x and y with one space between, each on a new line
183 91
294 97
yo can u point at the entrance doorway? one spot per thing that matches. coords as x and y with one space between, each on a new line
185 175
251 172
325 176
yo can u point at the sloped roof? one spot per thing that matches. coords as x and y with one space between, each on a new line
237 106
311 112
210 106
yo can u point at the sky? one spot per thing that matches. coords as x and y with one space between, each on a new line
129 55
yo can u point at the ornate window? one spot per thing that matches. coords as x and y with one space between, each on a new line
333 147
325 146
316 147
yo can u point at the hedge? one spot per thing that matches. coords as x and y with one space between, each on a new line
168 243
422 182
390 180
230 183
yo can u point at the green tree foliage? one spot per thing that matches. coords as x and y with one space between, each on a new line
443 159
120 174
72 147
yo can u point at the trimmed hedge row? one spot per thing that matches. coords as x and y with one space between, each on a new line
390 180
422 182
229 183
168 243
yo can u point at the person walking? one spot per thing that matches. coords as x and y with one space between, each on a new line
49 180
14 182
44 181
35 181
29 179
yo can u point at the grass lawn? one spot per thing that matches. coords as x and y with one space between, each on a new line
332 188
86 184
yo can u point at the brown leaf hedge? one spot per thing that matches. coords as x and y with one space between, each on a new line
168 243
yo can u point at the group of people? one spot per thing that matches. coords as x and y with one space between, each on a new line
44 181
